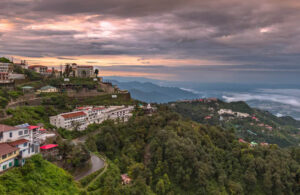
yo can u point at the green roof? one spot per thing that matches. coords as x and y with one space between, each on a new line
47 87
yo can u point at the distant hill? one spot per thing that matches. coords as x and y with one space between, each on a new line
259 125
149 92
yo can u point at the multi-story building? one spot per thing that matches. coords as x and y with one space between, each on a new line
5 70
83 116
22 139
39 69
70 120
6 67
85 71
122 113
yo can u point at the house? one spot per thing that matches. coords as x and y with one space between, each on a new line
16 144
48 89
39 69
125 179
8 154
10 134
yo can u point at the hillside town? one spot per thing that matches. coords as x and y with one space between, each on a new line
20 142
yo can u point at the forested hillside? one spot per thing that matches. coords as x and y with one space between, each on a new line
259 126
165 154
38 176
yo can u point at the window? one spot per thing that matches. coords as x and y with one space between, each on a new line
15 152
10 134
25 144
10 164
4 156
26 132
20 132
4 167
10 154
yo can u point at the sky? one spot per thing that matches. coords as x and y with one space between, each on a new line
170 39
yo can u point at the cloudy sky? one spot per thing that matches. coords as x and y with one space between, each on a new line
259 34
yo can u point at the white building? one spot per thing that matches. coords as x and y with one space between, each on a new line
84 116
16 144
70 120
230 112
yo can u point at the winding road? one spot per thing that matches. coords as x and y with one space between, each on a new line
97 164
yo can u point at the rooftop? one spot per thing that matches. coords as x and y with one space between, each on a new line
72 115
4 128
6 149
48 146
34 66
18 142
47 87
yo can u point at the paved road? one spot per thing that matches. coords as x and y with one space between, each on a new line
97 163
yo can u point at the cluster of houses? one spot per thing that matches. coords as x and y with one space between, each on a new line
71 70
7 76
253 143
81 117
232 113
18 143
203 100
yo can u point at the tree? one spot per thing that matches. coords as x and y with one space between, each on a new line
68 70
4 60
96 72
83 73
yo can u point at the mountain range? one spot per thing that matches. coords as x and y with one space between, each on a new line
150 92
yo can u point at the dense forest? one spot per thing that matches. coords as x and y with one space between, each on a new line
166 154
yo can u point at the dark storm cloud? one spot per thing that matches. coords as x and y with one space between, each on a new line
230 31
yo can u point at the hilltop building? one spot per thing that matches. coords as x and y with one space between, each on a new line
79 71
23 64
39 69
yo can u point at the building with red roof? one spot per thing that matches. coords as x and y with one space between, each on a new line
39 69
125 179
70 120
